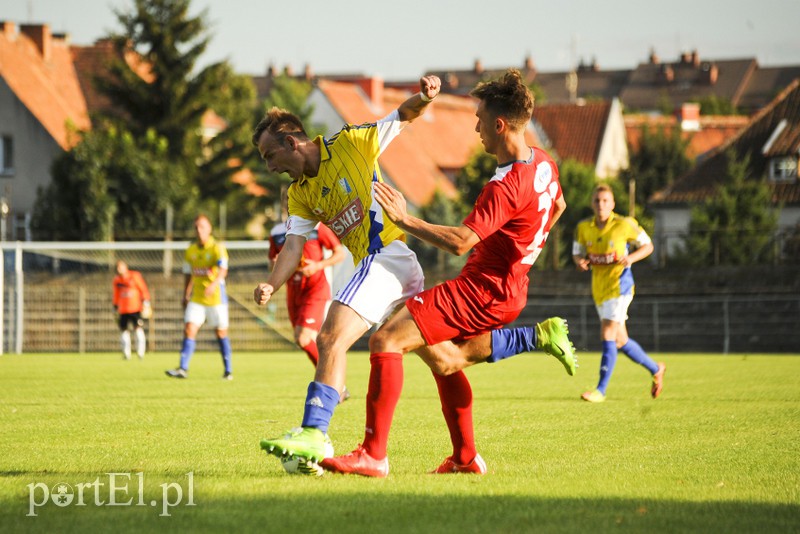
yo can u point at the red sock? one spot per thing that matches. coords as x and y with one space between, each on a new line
456 396
385 385
312 351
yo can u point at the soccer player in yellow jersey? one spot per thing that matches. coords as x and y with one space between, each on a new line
204 297
603 245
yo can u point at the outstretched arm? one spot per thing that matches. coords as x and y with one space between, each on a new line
412 108
454 239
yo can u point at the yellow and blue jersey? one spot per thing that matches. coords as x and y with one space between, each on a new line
203 263
604 247
341 195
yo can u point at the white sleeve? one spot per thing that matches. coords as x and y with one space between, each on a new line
388 128
578 249
642 239
299 226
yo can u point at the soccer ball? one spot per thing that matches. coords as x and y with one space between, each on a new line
291 464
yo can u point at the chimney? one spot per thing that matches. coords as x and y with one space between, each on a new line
666 74
8 29
689 117
695 58
308 73
40 35
529 66
478 68
373 87
654 59
272 71
288 71
709 73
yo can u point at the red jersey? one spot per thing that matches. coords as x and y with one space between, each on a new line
512 217
130 292
320 238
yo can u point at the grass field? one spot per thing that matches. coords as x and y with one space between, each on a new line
719 452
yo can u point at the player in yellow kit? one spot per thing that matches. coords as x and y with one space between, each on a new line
603 245
204 296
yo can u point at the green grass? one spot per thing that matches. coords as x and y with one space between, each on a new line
719 452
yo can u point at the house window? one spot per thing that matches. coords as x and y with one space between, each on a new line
6 155
783 169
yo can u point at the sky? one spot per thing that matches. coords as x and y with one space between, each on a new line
402 40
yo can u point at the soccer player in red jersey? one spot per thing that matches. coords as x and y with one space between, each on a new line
131 301
459 322
307 290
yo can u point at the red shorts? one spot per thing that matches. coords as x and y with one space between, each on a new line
307 308
457 310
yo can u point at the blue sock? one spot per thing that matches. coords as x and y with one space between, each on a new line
225 350
187 350
321 400
507 342
607 363
635 352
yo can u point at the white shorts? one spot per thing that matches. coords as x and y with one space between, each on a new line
382 281
615 309
217 316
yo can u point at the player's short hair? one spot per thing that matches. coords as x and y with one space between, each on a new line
507 97
279 123
603 188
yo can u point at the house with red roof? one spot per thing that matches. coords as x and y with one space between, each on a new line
592 133
771 139
42 106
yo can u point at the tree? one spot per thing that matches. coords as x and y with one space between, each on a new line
473 176
735 225
111 185
659 161
716 105
165 92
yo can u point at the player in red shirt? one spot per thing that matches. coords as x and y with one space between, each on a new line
308 291
131 300
458 323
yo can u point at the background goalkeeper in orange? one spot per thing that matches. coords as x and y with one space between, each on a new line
131 301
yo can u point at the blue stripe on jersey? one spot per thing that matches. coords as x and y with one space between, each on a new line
375 226
626 281
345 295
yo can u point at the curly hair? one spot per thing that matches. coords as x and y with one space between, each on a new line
507 97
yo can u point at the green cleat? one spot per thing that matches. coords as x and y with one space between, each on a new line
304 443
552 338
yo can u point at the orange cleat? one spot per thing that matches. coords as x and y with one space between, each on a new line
477 467
658 381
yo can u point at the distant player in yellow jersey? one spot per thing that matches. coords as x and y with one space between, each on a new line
204 297
602 244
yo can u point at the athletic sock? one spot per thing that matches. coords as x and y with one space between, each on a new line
312 351
125 343
321 400
385 386
187 350
141 342
607 363
226 352
455 394
635 352
507 342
